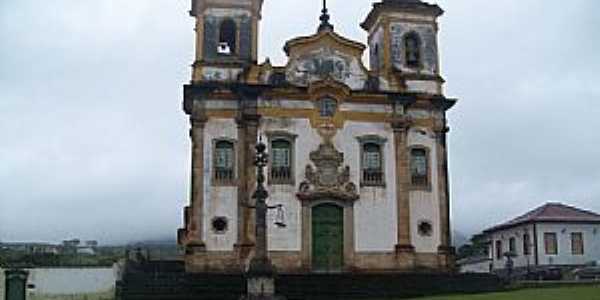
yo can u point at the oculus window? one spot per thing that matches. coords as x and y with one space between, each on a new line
219 225
425 228
327 107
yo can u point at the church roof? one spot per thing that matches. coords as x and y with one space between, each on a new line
416 6
322 35
551 212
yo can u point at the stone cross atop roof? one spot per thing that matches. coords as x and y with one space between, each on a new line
325 25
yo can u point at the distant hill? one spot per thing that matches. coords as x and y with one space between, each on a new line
154 242
459 239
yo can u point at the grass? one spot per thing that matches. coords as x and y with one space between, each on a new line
566 293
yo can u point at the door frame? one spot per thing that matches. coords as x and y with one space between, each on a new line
348 237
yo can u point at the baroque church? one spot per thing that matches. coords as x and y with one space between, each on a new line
357 173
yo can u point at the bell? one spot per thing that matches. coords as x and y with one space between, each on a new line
280 217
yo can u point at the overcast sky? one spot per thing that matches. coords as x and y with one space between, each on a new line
94 144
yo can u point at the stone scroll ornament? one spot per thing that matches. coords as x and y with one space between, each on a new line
327 179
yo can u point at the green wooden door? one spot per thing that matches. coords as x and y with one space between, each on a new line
327 238
15 285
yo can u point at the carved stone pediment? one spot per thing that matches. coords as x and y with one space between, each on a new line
327 179
325 54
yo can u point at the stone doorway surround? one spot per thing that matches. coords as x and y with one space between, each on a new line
348 233
327 182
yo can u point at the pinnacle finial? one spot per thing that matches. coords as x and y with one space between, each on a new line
325 25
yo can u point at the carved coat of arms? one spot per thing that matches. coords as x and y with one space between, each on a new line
329 180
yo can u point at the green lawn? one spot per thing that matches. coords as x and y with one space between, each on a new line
567 293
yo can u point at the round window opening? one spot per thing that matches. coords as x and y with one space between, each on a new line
219 224
425 228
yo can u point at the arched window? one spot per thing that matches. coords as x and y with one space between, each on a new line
412 48
281 165
419 167
327 107
224 161
227 37
372 163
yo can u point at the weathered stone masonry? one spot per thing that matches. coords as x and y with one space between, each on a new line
332 109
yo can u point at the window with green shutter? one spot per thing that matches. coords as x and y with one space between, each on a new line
281 164
372 164
419 167
224 161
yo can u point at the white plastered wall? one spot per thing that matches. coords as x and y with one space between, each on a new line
219 201
375 225
521 260
563 233
307 140
424 204
591 243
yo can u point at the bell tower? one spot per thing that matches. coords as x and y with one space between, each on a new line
403 44
226 37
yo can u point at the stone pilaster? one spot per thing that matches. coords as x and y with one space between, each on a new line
196 218
445 249
247 136
401 126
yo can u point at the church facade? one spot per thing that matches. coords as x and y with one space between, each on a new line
357 174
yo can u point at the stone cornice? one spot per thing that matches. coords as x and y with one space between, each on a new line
416 7
249 94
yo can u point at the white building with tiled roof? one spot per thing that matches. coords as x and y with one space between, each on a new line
551 235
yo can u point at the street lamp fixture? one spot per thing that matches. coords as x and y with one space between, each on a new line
261 273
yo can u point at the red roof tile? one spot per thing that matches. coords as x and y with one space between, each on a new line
551 212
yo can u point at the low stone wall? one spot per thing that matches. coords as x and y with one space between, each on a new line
108 295
68 283
2 282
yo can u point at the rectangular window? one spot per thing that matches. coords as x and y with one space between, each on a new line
577 243
526 244
512 246
281 162
419 167
550 243
372 164
498 250
224 161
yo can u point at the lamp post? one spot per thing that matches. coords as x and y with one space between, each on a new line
260 278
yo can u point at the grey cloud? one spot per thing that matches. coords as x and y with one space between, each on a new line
94 142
